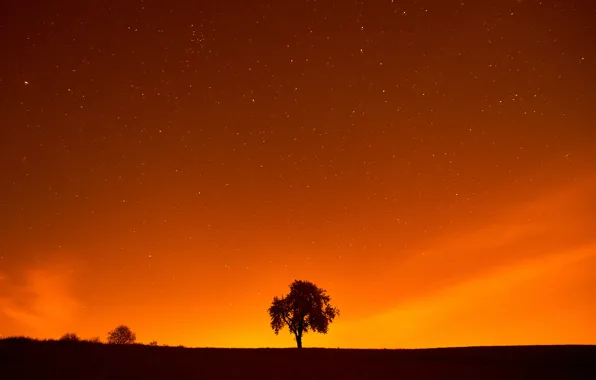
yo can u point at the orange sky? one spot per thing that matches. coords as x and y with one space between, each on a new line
525 278
431 165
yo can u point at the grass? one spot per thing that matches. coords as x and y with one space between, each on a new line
25 358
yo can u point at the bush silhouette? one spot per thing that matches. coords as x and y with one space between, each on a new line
70 337
306 308
95 339
153 343
19 339
121 335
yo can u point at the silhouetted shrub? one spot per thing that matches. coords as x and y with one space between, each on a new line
70 337
95 339
121 335
19 339
153 343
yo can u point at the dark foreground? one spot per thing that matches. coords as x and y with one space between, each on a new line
24 359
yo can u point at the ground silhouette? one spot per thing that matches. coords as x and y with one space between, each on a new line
29 359
306 308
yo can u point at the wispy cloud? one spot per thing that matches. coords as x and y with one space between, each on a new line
521 278
40 300
537 301
553 223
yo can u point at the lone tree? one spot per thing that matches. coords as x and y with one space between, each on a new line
306 308
121 335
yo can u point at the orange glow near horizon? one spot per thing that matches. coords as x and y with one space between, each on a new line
511 282
432 166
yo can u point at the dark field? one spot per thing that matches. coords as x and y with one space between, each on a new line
24 359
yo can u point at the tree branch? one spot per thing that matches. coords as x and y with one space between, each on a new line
288 322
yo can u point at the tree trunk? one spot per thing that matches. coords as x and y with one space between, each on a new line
299 334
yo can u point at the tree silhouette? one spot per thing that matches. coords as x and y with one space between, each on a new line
70 337
306 308
121 335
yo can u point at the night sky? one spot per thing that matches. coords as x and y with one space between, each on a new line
173 165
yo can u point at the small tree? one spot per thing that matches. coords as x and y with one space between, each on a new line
306 308
70 337
121 335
